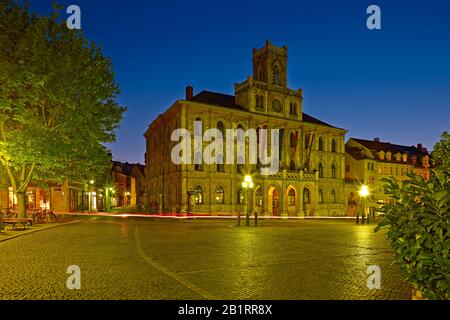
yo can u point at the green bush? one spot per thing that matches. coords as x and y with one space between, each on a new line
418 223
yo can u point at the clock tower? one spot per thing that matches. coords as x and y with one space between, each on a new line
266 91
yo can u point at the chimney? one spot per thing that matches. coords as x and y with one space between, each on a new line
376 139
419 146
189 92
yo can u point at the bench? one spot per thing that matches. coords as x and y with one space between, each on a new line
15 221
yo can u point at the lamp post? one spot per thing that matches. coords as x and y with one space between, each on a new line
363 193
247 184
91 191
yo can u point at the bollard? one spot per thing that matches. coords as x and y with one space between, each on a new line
256 218
357 218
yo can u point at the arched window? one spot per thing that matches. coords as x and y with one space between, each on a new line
292 140
198 161
306 196
320 170
276 75
320 196
291 197
199 123
261 102
320 144
220 127
292 165
240 165
219 195
198 195
333 171
220 166
240 196
333 196
259 197
333 146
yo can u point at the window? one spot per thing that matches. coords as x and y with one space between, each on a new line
198 166
220 127
292 165
333 171
320 170
292 108
240 165
306 196
291 197
220 167
259 101
276 75
333 196
320 144
240 197
333 145
198 195
259 197
320 196
219 195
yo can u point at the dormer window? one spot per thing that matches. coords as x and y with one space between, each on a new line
388 156
381 155
405 158
398 157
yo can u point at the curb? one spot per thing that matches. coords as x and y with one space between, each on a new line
38 230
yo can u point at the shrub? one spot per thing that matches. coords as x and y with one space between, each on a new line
418 223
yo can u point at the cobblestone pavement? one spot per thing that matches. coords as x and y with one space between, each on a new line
123 258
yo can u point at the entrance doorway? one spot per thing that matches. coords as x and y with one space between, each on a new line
274 201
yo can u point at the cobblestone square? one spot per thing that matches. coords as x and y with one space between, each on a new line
126 258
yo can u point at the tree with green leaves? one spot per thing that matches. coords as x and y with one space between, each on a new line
57 101
419 231
441 153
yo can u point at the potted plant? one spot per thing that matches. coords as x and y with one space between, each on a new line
419 232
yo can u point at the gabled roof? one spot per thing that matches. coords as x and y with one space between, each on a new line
376 146
228 101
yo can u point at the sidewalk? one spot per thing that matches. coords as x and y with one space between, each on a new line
10 233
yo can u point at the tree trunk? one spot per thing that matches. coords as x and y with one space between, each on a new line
21 205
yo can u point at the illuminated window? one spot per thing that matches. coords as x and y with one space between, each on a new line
219 195
240 197
198 195
291 197
259 197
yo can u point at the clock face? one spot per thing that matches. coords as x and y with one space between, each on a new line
276 105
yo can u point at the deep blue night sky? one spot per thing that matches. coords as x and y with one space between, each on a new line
392 83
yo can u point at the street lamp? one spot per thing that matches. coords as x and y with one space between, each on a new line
363 193
247 184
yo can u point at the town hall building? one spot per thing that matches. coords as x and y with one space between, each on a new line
310 180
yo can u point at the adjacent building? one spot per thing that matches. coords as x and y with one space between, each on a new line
369 161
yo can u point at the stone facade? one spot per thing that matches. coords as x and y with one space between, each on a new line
310 180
